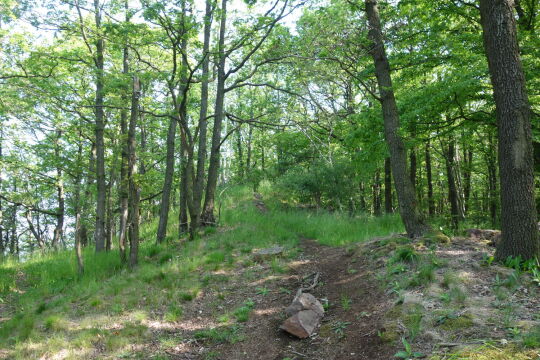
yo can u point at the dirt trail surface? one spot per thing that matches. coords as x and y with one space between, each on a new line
349 327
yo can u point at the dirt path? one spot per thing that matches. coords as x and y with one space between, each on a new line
349 328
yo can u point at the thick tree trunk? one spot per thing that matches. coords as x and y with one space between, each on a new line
99 128
518 212
198 186
134 189
208 217
387 186
410 214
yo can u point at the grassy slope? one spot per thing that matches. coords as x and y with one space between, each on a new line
49 311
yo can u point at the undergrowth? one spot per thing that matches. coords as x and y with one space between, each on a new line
48 308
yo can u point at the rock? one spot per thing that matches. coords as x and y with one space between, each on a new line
305 313
494 236
302 324
305 302
263 254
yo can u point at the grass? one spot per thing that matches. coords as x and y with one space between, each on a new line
51 308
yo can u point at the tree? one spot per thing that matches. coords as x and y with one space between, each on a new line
408 207
518 211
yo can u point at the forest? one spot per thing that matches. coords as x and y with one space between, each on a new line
172 172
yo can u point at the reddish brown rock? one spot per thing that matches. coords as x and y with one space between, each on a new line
302 324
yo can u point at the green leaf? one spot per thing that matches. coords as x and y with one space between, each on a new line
402 354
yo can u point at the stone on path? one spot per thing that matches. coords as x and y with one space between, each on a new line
264 254
305 314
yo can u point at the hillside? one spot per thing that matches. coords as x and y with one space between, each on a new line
209 299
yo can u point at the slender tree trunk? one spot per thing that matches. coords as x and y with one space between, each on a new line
208 216
452 189
410 214
99 234
377 194
167 183
124 183
387 186
198 186
77 209
240 155
249 147
492 198
518 210
412 159
37 235
109 223
58 230
362 189
431 202
467 177
2 244
134 189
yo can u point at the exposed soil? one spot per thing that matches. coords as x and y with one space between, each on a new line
348 330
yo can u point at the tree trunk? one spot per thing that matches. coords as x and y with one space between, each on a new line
37 235
198 186
134 189
412 160
124 183
240 155
99 234
167 184
77 209
519 227
467 176
431 202
387 186
58 230
377 194
412 219
208 216
450 155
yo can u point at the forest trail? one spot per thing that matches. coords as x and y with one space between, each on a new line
351 322
355 305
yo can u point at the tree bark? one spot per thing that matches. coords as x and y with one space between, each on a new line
377 194
450 155
410 215
59 228
198 186
77 209
167 183
519 235
134 189
467 177
99 128
431 202
124 182
37 235
387 186
208 217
